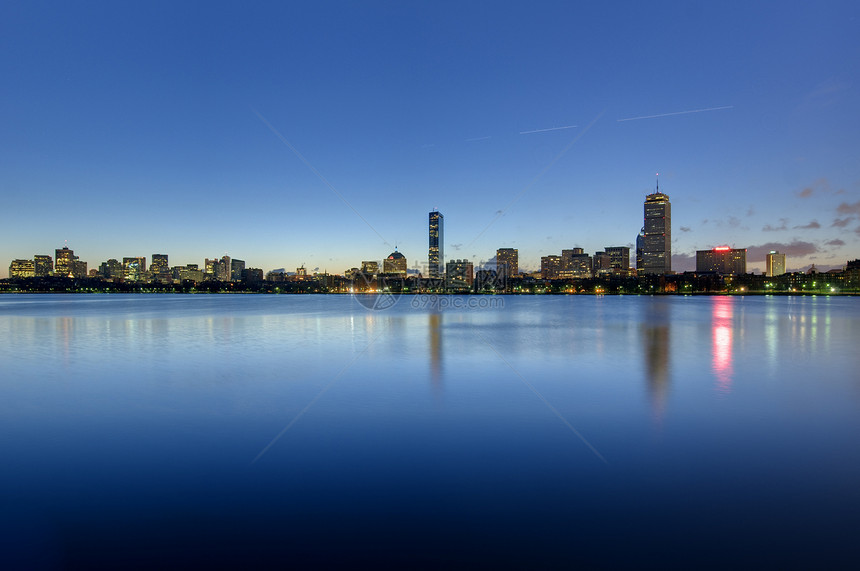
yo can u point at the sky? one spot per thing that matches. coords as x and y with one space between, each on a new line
322 133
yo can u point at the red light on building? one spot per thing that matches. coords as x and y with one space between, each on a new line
722 249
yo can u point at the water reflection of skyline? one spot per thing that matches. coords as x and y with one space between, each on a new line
722 311
655 341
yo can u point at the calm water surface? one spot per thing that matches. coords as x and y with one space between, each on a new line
308 430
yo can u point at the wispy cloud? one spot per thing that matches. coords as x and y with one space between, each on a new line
478 139
846 208
795 248
685 229
547 129
676 113
783 225
835 242
811 226
842 222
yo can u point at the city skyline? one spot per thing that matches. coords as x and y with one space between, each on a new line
320 136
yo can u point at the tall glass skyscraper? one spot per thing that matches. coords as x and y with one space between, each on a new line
436 256
657 242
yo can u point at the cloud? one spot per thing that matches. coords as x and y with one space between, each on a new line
734 222
783 225
811 226
795 248
685 229
835 242
818 186
846 208
842 222
750 211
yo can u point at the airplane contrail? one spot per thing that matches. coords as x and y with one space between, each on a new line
545 130
478 139
677 113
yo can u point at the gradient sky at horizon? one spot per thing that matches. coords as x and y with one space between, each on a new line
137 128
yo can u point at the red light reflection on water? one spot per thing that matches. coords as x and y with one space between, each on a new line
721 348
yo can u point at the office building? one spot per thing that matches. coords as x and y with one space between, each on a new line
459 275
395 263
619 257
775 264
63 259
436 255
722 260
159 266
22 269
640 246
111 269
370 267
507 262
43 265
550 266
575 264
236 268
657 241
133 268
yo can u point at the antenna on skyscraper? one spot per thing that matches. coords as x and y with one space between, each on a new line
658 181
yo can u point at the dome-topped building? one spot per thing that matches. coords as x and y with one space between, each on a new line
395 263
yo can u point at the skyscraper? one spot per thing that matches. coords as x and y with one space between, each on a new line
63 261
507 262
44 265
775 265
436 256
657 243
395 263
159 265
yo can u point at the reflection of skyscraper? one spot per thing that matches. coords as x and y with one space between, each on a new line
657 247
435 345
436 256
655 341
775 265
721 350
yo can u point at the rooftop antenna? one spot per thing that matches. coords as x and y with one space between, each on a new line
658 181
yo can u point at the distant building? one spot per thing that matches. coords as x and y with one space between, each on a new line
222 269
63 261
722 260
507 262
22 269
133 268
640 247
111 270
619 257
602 263
657 242
370 267
395 263
549 267
252 276
43 265
236 268
774 264
575 264
79 268
436 254
159 266
459 275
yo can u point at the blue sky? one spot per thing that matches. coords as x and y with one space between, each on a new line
137 128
